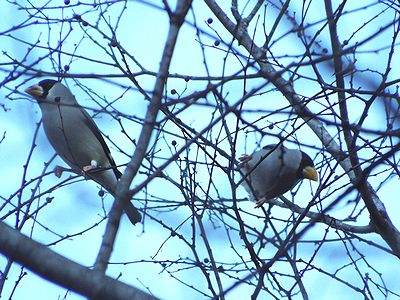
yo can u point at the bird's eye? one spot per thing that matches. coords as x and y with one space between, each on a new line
57 99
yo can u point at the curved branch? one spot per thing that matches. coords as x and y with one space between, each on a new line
322 218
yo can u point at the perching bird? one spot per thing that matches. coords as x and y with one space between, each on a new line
274 170
76 138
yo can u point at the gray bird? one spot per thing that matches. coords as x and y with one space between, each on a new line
274 170
76 138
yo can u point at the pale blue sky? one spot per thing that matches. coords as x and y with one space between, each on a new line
142 32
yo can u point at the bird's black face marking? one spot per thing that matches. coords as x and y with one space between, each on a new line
306 161
57 99
46 85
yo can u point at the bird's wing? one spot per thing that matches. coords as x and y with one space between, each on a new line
95 130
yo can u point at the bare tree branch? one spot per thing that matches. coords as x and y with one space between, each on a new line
54 267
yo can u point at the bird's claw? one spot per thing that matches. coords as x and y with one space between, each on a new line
260 202
86 169
93 165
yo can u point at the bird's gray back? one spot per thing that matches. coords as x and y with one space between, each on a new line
272 172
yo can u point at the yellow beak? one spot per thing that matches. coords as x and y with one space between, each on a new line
310 173
35 91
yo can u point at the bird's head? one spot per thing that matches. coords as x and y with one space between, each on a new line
306 169
51 91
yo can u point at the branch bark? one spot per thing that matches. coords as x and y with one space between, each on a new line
62 271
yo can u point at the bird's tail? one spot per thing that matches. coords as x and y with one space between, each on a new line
108 180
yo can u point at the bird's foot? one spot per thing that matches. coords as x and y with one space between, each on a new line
86 169
244 159
261 201
93 165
